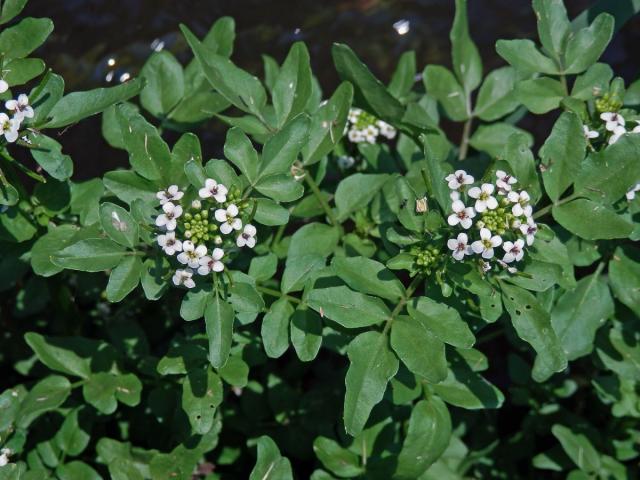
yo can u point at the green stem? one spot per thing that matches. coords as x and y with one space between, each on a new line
275 293
543 211
415 283
22 168
316 191
464 142
278 235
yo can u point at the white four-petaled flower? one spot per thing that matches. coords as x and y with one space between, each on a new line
184 277
487 243
612 120
459 246
513 251
169 243
9 128
589 134
20 107
520 202
461 215
484 197
169 195
168 218
211 263
631 194
504 182
529 230
228 219
191 254
4 86
616 133
458 179
247 237
214 189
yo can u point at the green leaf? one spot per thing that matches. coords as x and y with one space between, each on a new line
624 278
74 434
47 245
442 321
68 355
235 372
596 78
466 60
124 278
523 166
553 26
467 389
442 85
280 187
606 176
48 394
404 76
578 447
48 153
292 86
428 435
239 150
497 97
239 87
533 325
299 270
91 255
164 83
371 94
328 124
306 334
356 191
78 105
263 268
313 238
372 365
591 221
334 457
193 304
419 349
540 276
368 276
275 328
21 70
103 390
579 313
525 57
493 137
562 154
281 150
118 224
348 308
77 470
218 317
19 40
128 186
85 198
11 8
587 44
540 95
270 213
201 395
245 298
270 465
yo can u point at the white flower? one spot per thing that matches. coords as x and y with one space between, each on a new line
454 195
169 243
184 277
529 229
521 203
9 128
196 204
386 130
211 263
20 107
616 134
169 195
506 265
422 205
636 129
504 182
483 197
459 246
213 189
458 179
513 251
589 134
191 254
486 266
461 215
247 237
354 113
486 244
4 86
168 218
631 194
228 220
5 453
356 136
612 120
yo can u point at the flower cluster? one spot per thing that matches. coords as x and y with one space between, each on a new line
20 109
616 125
202 234
502 217
364 127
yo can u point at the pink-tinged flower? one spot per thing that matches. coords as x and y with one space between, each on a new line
247 237
184 277
169 195
529 230
211 263
459 246
169 243
616 133
612 120
458 179
504 182
228 219
520 202
213 189
461 215
484 197
514 251
168 218
191 254
20 107
486 244
588 133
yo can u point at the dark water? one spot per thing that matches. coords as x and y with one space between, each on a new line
91 34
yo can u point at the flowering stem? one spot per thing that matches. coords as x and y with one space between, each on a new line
464 142
413 286
325 206
275 293
543 211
